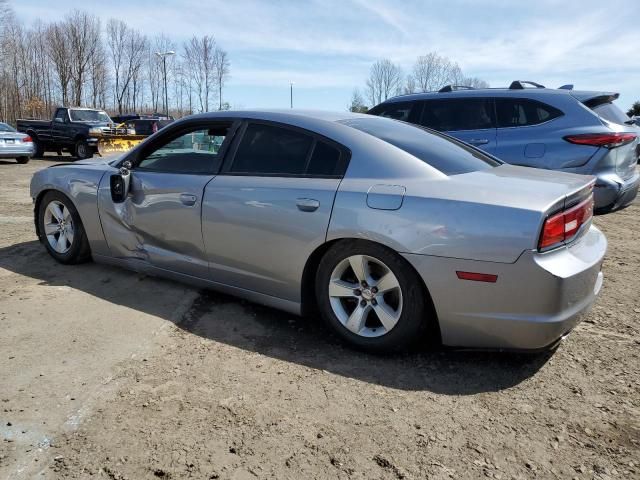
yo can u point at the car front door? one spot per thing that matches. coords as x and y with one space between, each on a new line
269 208
60 126
469 119
159 224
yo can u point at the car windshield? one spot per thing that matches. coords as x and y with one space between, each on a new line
442 152
6 128
612 113
89 116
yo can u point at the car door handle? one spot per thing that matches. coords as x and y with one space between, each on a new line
307 204
188 199
478 141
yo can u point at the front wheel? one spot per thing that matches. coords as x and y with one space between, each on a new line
371 297
60 229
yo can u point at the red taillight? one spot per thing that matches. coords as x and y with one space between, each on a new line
607 140
562 226
27 139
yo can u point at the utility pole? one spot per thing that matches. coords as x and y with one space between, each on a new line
163 56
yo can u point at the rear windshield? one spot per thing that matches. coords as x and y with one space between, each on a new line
612 113
443 153
6 128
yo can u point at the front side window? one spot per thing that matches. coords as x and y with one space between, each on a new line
443 153
458 114
521 112
395 110
88 116
194 152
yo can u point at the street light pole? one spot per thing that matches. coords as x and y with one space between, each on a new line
164 56
291 93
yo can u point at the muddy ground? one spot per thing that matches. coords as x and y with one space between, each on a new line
105 373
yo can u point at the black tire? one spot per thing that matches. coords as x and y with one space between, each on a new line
38 147
79 250
83 150
22 160
414 318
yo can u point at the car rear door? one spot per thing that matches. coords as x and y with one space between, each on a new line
270 206
470 119
159 224
528 134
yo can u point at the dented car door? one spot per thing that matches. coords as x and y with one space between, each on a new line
159 223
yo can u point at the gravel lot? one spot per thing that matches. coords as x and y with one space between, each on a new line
108 374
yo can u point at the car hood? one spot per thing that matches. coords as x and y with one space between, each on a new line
106 160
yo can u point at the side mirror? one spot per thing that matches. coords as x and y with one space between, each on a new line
119 183
58 120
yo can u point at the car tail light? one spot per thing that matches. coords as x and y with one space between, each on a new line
607 140
27 139
563 226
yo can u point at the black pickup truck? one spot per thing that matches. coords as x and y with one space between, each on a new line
72 129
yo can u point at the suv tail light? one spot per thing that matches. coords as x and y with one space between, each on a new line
563 226
27 139
607 140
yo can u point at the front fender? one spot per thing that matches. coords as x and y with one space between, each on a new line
80 184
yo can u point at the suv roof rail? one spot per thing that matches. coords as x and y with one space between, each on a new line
451 88
520 84
568 86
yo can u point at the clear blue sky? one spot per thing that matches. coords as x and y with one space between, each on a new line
327 47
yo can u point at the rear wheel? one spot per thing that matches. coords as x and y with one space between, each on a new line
38 147
83 150
370 296
60 229
22 160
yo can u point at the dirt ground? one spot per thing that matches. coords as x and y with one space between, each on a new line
108 374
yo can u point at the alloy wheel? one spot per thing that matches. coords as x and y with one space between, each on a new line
365 295
58 226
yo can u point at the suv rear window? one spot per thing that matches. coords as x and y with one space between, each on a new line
458 114
443 153
521 112
612 113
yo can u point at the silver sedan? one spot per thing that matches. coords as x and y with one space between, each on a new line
14 144
391 233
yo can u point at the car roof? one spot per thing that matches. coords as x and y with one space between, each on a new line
581 95
282 115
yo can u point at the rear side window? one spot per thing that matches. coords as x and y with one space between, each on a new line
325 161
270 150
458 114
396 110
521 112
276 151
612 113
443 153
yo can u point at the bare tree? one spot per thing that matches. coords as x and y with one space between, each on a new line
357 104
222 66
127 49
83 33
385 80
60 54
199 55
475 82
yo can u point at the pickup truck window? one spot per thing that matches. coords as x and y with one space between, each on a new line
89 116
61 113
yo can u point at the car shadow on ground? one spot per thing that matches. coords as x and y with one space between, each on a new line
269 332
